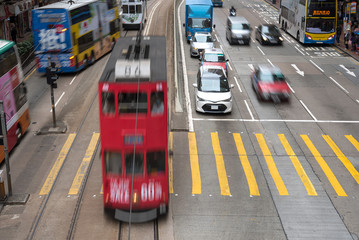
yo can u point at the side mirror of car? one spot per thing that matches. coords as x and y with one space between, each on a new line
232 85
214 25
194 85
227 60
184 25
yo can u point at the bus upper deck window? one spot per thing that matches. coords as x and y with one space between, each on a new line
157 103
108 103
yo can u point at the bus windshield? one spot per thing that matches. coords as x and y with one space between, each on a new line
320 25
321 8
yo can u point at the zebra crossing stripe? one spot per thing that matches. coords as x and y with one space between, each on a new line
76 184
252 183
282 190
298 167
196 176
349 166
221 170
326 169
353 141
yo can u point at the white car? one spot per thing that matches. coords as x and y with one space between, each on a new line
212 90
200 41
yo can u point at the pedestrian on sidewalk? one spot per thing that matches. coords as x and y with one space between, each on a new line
339 32
13 33
353 40
347 38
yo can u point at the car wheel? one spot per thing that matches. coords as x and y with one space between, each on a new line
298 36
18 133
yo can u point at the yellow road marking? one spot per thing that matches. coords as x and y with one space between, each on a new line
251 179
282 190
196 176
353 141
76 184
221 170
342 158
57 166
30 74
170 167
326 169
301 172
101 191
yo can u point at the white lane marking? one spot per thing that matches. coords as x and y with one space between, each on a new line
286 38
273 120
249 110
270 62
239 87
151 16
357 101
297 69
299 50
229 65
184 68
251 67
178 105
339 85
217 39
348 71
260 50
221 47
63 93
73 79
316 66
308 110
291 88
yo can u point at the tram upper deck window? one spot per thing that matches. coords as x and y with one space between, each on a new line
113 162
156 163
138 8
132 9
157 103
139 163
127 102
125 8
108 103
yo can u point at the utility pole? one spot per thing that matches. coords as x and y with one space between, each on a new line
51 77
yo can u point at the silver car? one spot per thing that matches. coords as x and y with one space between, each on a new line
212 90
199 42
238 30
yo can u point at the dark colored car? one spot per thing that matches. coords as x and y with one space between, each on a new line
269 83
269 34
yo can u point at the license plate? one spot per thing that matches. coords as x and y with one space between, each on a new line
214 107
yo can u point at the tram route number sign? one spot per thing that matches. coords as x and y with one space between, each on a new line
132 139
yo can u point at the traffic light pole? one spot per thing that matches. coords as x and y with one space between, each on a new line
53 106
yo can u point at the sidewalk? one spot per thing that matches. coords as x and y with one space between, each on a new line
339 45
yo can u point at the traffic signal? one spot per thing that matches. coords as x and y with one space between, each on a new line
51 74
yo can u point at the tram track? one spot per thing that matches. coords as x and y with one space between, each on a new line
139 230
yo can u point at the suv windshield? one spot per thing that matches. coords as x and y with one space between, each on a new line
270 29
240 26
203 38
213 57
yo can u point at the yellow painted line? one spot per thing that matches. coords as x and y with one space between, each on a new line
57 166
342 158
300 170
221 170
326 169
170 162
30 74
196 176
353 141
81 171
338 50
282 190
251 179
101 191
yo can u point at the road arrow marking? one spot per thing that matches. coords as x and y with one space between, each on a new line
297 69
349 72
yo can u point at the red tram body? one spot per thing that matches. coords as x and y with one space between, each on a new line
133 126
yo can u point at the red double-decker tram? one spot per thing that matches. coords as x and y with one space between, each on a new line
134 134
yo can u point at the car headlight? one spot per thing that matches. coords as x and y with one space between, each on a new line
264 38
280 38
194 48
200 99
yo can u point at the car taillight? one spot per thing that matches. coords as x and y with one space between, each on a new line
72 61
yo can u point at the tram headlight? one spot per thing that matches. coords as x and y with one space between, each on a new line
135 198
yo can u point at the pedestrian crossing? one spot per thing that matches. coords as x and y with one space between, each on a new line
217 142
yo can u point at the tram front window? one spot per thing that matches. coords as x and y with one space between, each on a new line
113 163
139 163
156 163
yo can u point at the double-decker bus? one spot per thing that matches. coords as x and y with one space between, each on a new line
133 126
13 94
309 21
74 34
133 12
